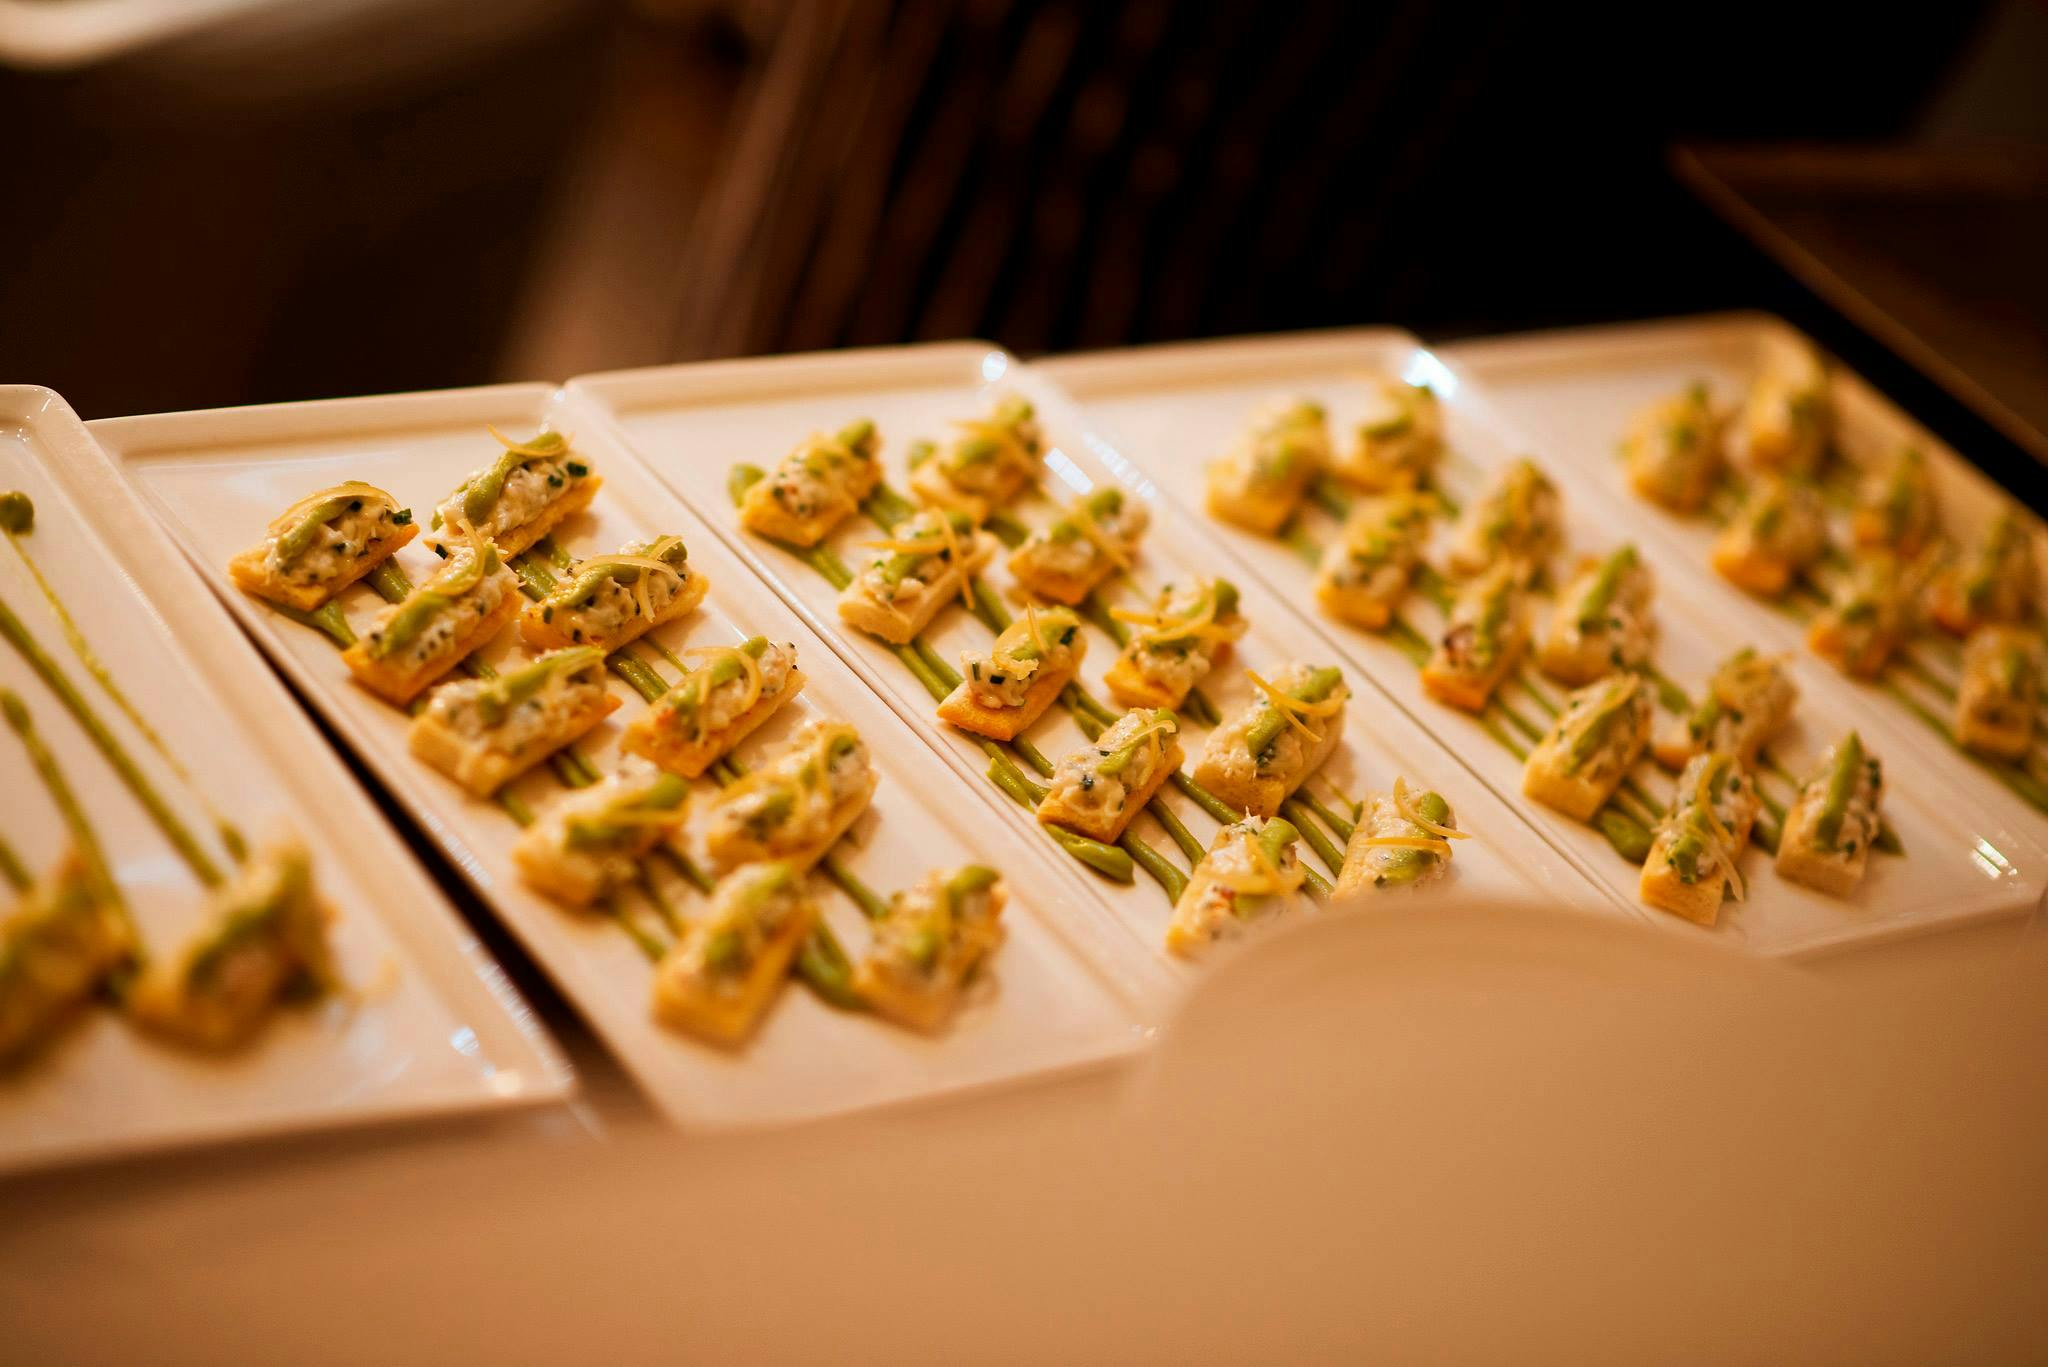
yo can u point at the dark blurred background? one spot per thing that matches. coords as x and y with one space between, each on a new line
317 199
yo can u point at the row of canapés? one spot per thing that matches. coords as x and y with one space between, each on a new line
1253 763
757 835
1600 638
71 936
1896 573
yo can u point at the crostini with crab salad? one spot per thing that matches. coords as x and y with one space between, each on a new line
1397 441
730 964
322 544
816 486
1787 418
1251 874
1519 518
2000 692
1401 840
1897 508
1747 701
437 626
1259 482
591 843
1997 580
1008 686
1098 788
1591 746
1777 534
1874 609
1174 643
1094 538
1695 855
928 560
1483 639
533 487
1601 622
990 462
1673 453
1264 751
483 733
62 940
730 693
797 804
930 941
1366 570
612 600
1829 829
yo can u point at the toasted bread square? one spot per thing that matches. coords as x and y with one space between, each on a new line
1109 827
483 769
542 634
652 741
1003 723
399 687
251 575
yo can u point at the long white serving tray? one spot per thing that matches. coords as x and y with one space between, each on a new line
692 423
1573 391
429 1025
1176 407
1046 1002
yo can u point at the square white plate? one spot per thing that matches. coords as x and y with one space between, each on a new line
435 1027
1174 408
693 423
1573 391
1047 1002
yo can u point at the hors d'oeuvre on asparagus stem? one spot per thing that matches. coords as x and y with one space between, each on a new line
987 465
1896 508
1176 643
265 939
440 623
1786 420
322 544
719 979
591 843
611 600
1366 570
483 733
1086 544
529 490
929 942
1259 483
1398 439
1518 518
1004 689
1602 620
1251 874
1997 580
1482 640
815 487
1591 746
1875 608
929 559
1401 840
1097 789
1747 700
731 692
1698 846
1780 530
1672 451
1260 754
1999 692
1828 831
62 940
795 806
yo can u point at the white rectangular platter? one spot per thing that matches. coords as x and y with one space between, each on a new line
428 1025
693 423
1175 408
1573 391
216 478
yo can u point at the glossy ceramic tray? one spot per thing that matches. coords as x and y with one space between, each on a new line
427 1024
693 423
1046 1001
1174 408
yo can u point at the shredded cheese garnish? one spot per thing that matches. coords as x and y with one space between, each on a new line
1202 624
1008 447
1293 709
1569 737
1405 842
1085 521
1719 836
942 537
1265 878
353 488
1405 806
750 671
521 448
